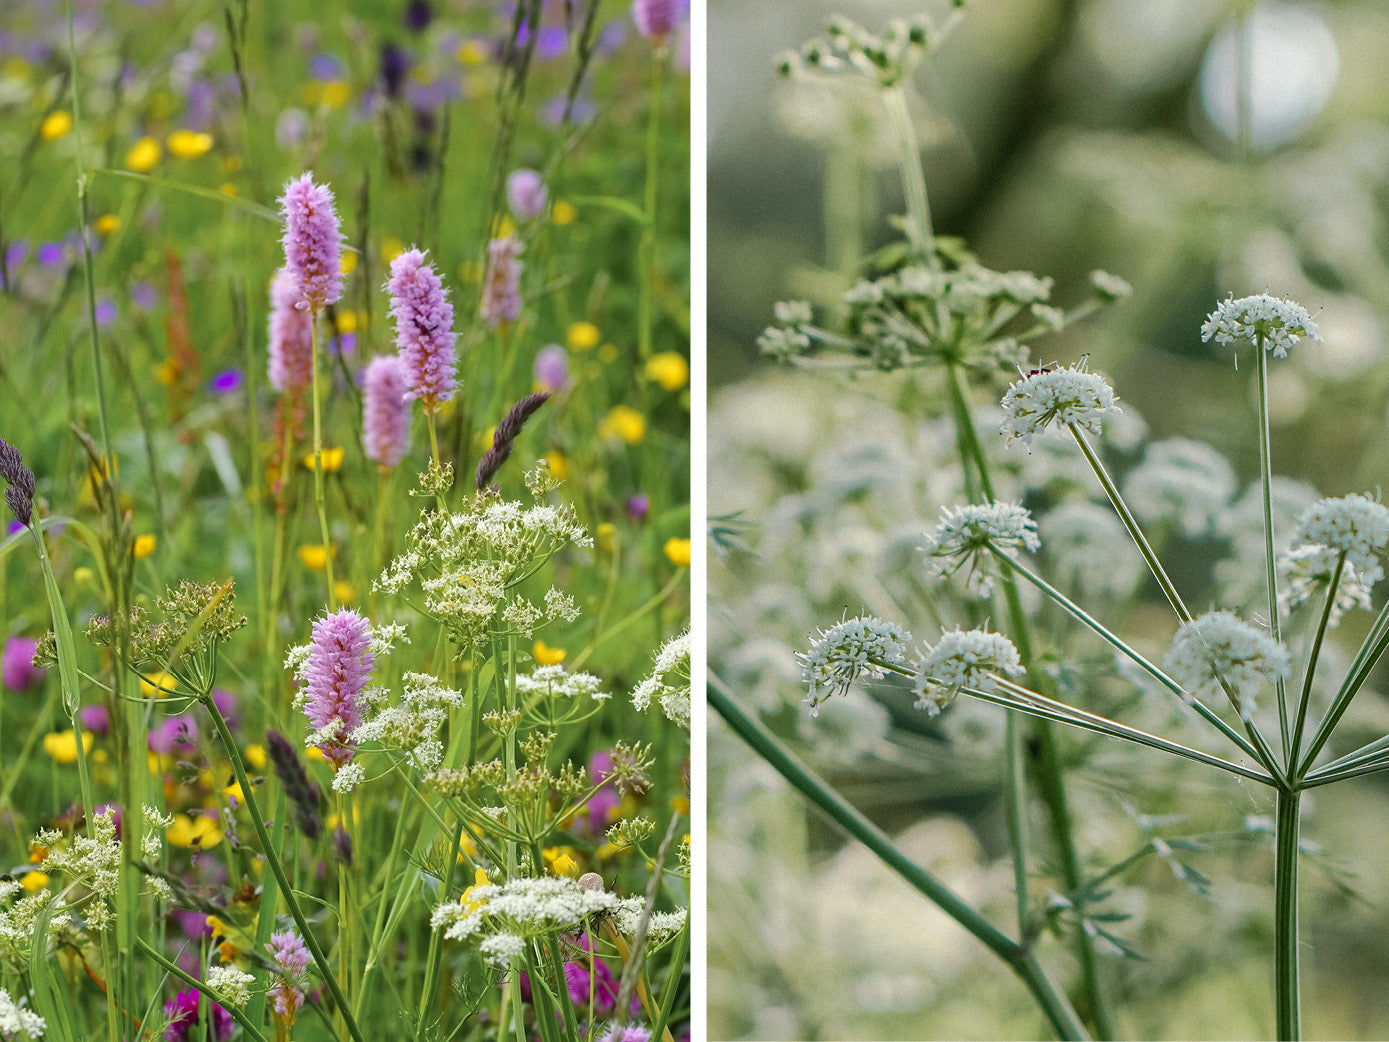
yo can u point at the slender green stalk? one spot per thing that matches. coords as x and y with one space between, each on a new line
913 177
646 272
1270 560
1312 658
1369 653
1111 490
320 495
272 858
1015 806
1286 998
173 970
1021 960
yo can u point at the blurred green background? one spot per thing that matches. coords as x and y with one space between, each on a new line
1058 137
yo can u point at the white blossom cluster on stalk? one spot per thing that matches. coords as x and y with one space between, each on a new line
1307 570
410 725
965 535
669 682
960 659
1069 396
230 985
850 649
660 926
1353 525
15 1019
1091 550
1279 323
1184 483
466 563
1220 646
94 861
19 921
517 910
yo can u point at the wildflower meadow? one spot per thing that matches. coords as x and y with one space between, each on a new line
1047 584
344 582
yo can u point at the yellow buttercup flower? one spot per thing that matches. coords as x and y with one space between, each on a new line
605 535
563 212
678 551
255 755
582 336
107 224
144 155
559 464
669 369
347 264
157 685
201 832
344 591
189 144
144 546
546 655
314 556
332 460
391 248
62 745
34 881
560 862
625 423
55 125
335 93
472 52
465 899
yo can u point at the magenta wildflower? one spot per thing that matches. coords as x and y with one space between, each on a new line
525 194
501 290
313 243
551 369
626 1033
182 1012
176 736
17 669
291 337
339 666
655 18
287 949
385 411
424 328
95 718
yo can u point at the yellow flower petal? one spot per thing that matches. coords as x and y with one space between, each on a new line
625 423
34 881
255 755
189 144
332 460
55 125
107 224
157 685
62 745
344 591
546 655
201 832
669 369
144 546
144 155
678 550
581 336
314 557
563 212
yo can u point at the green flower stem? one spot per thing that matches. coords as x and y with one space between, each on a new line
646 268
173 971
1370 765
1026 701
1021 960
432 967
1049 776
1366 657
1085 619
1015 806
913 177
1286 997
1312 657
1270 560
1135 532
272 858
320 495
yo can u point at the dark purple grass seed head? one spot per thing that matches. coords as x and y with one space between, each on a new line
505 436
301 793
20 479
395 66
342 846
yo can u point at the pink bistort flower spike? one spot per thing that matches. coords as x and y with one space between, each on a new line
385 411
501 289
313 243
339 666
655 18
525 194
288 951
291 337
424 328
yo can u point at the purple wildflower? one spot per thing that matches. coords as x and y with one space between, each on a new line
95 718
176 736
17 669
225 702
339 666
291 337
655 18
525 194
385 411
395 65
144 295
627 1033
303 794
501 290
227 381
182 1013
313 243
424 328
551 369
287 949
418 15
105 311
638 507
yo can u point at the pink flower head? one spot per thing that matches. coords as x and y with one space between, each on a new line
182 1013
525 194
424 328
551 369
293 958
385 411
655 18
17 669
339 666
501 290
291 336
626 1033
313 243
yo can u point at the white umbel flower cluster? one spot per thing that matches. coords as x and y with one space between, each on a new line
14 1018
1183 482
849 649
1354 525
1279 323
1304 570
230 985
527 907
669 682
965 534
962 658
1068 396
1221 646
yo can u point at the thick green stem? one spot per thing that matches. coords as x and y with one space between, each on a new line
1286 997
1051 1000
272 858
